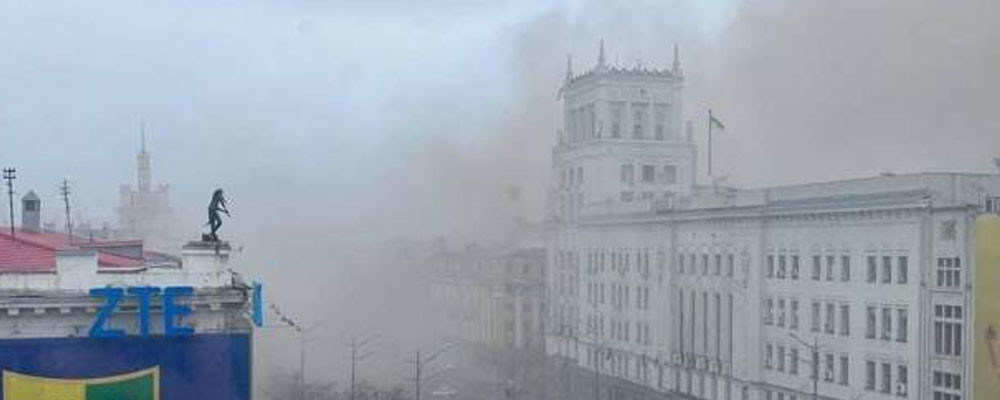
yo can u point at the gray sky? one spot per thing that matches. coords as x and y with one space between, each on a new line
337 127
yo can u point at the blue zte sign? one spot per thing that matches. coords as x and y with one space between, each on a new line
145 295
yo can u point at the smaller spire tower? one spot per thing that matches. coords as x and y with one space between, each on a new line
569 67
600 56
142 161
677 61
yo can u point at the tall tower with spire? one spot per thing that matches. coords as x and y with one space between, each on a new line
622 147
143 211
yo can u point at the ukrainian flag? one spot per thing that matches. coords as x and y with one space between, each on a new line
139 385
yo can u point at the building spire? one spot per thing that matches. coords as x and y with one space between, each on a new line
677 60
143 170
569 67
142 132
600 55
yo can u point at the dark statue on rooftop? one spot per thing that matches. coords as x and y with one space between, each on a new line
215 207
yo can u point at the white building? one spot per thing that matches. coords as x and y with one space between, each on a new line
673 289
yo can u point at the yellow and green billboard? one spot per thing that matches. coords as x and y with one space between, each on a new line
139 385
986 295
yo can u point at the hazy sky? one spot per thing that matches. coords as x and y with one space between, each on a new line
332 124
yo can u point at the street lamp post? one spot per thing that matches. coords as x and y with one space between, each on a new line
421 363
355 346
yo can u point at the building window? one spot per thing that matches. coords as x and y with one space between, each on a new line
794 324
815 316
829 267
616 120
660 116
768 356
901 330
794 367
872 268
648 173
886 323
781 313
903 266
770 266
795 267
844 370
992 204
628 196
669 174
886 386
638 117
781 358
947 386
830 315
948 330
845 268
948 269
845 320
627 173
781 266
886 269
768 311
718 264
829 368
730 261
817 267
902 380
870 322
870 375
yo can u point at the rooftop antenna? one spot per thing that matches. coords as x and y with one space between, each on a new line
569 67
64 189
9 174
600 54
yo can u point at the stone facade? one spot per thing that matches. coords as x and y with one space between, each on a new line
712 292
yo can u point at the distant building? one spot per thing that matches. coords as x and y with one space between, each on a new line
143 212
492 303
660 287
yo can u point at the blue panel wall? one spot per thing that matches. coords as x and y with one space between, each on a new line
203 366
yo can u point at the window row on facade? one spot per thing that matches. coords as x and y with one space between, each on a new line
620 261
638 121
666 174
830 267
879 323
834 368
887 378
619 295
706 264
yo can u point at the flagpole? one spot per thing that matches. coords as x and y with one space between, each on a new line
709 143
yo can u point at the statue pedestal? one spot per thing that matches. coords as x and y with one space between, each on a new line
206 257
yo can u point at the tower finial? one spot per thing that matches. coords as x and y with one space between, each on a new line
600 55
142 133
677 60
569 67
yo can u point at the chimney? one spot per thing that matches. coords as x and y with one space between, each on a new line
31 212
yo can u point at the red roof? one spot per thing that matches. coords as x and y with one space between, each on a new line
36 252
